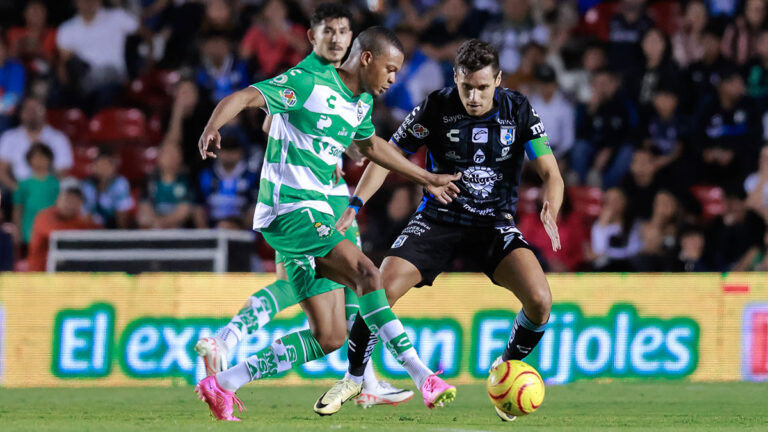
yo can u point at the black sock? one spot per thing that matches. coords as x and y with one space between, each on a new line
361 344
524 338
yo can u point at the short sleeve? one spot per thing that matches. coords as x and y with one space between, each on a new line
286 92
532 133
366 128
123 198
6 148
63 159
414 131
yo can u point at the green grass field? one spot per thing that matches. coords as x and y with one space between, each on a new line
582 406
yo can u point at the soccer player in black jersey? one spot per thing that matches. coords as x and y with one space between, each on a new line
483 131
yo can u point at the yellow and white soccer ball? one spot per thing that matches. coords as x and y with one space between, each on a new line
515 388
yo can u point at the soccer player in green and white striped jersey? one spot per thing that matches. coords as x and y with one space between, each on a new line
316 118
330 35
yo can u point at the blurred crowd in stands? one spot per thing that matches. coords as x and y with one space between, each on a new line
656 111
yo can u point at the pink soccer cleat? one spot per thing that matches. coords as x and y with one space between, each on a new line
437 392
220 401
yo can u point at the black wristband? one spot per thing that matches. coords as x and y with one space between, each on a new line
356 203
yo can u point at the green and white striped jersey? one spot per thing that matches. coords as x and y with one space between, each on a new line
315 118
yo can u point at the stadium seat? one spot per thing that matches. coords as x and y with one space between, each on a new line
666 14
136 163
595 21
117 124
71 121
83 156
528 200
153 90
585 200
712 199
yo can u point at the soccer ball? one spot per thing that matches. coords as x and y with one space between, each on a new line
515 388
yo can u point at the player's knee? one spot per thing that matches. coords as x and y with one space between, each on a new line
331 341
369 277
537 308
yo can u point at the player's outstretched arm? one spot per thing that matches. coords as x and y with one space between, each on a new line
370 182
388 156
553 187
225 111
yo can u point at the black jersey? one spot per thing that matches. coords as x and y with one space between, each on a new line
487 150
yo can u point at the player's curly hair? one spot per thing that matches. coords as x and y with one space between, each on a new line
474 55
329 11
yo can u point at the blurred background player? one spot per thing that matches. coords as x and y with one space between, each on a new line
330 34
295 218
484 132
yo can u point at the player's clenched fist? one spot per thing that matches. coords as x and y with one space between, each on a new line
209 139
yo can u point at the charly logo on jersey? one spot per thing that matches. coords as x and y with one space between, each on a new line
480 135
479 156
480 180
419 131
289 97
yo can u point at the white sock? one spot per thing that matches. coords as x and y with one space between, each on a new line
234 377
369 376
357 379
230 335
418 371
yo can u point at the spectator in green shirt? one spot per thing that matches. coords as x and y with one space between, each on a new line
166 202
37 192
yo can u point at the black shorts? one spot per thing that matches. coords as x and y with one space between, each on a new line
430 246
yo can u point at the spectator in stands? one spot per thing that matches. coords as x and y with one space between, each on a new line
576 83
606 130
652 257
419 76
92 52
218 17
627 29
516 29
666 218
66 214
756 186
757 73
35 43
556 112
15 143
704 75
107 194
274 43
615 237
12 79
692 247
664 133
220 72
734 232
687 46
189 114
728 133
168 196
641 184
659 70
523 79
35 193
457 21
756 258
740 39
227 190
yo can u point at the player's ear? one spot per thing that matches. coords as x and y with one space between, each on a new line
455 77
498 79
311 36
366 58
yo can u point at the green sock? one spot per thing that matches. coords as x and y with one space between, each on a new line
285 353
374 308
265 304
351 307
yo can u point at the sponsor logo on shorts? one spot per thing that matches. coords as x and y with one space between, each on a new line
323 231
289 97
419 131
399 241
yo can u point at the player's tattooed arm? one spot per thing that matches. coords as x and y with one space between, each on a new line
225 111
553 187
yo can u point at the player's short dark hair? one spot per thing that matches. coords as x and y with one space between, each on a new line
474 55
39 148
329 11
375 39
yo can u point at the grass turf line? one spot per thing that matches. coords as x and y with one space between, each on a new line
581 406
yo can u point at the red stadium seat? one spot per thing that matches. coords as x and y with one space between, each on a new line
712 199
585 200
153 90
71 121
528 201
666 15
83 158
136 163
117 124
595 20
